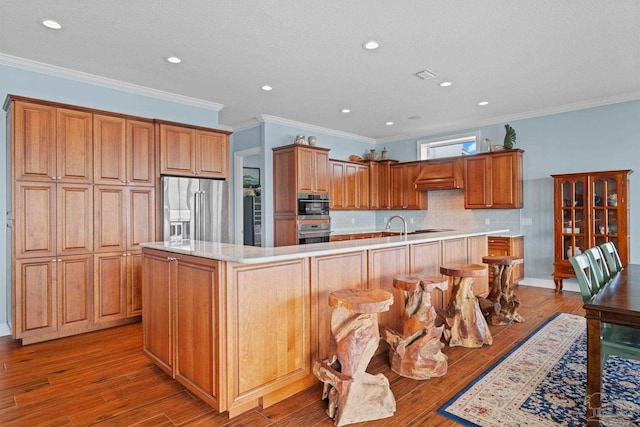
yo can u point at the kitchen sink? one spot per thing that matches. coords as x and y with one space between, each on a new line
431 230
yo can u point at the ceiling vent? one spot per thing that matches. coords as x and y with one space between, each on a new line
425 74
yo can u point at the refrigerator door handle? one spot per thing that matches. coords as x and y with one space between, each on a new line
203 214
196 215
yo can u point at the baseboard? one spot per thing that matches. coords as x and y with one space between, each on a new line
567 285
4 329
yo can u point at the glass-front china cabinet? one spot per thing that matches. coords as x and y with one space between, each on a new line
590 208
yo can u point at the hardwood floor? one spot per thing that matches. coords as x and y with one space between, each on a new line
103 378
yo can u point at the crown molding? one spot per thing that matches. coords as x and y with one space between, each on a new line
247 125
264 118
461 127
53 70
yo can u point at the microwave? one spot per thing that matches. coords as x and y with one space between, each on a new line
313 206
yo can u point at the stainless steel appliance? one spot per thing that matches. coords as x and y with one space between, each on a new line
313 231
195 208
252 220
313 206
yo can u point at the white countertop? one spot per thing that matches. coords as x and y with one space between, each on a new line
255 255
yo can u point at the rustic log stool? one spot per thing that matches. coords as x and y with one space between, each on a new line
415 350
501 305
354 395
466 326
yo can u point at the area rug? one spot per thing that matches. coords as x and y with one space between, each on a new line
542 382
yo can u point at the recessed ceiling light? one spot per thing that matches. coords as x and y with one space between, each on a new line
389 123
50 23
266 88
371 45
174 60
414 117
483 103
444 84
345 110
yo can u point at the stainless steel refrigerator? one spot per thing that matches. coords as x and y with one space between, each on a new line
195 208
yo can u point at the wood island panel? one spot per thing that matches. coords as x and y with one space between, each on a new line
384 265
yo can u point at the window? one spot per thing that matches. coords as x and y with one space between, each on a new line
450 146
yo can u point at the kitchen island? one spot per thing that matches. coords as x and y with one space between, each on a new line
240 326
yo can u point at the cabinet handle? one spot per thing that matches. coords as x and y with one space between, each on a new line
58 178
124 181
53 178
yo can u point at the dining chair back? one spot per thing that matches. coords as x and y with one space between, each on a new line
612 257
585 276
599 267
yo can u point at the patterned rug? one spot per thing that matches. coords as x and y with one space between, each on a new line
542 382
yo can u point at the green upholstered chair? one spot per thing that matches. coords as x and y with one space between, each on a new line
613 258
599 266
615 339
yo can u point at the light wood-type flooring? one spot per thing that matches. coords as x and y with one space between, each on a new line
103 378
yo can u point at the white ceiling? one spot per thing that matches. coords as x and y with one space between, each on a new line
525 58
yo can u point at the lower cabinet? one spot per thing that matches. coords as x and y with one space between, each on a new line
118 287
508 246
181 322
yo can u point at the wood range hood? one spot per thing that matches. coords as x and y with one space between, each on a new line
441 174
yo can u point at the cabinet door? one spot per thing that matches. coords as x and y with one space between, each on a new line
362 187
336 195
75 291
140 158
134 284
34 141
321 169
413 199
350 186
212 154
35 297
110 218
110 286
177 150
141 218
109 145
397 194
454 251
504 181
384 265
74 146
306 170
477 194
35 224
197 320
157 300
75 219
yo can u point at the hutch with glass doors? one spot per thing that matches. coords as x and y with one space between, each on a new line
590 208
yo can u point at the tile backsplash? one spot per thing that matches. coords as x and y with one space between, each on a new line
445 210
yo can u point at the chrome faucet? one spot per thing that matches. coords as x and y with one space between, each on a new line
404 222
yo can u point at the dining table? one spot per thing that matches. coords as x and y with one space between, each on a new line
618 302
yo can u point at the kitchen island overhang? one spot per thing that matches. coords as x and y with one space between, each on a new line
241 326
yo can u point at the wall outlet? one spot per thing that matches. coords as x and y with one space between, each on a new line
411 220
353 220
487 221
525 221
385 219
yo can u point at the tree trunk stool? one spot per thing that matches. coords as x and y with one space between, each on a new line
501 296
415 350
466 326
354 395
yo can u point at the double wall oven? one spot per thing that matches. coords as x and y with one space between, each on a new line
314 223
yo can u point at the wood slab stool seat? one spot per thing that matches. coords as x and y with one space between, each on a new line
354 395
415 349
466 325
501 305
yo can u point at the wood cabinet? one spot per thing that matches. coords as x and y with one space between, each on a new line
590 208
493 180
403 192
124 151
192 151
380 183
51 144
349 185
181 324
296 169
59 287
440 174
508 246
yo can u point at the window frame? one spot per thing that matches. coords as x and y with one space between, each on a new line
458 139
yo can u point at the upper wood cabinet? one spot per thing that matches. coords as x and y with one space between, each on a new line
380 183
403 192
349 185
51 144
493 180
187 151
124 151
312 169
440 174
